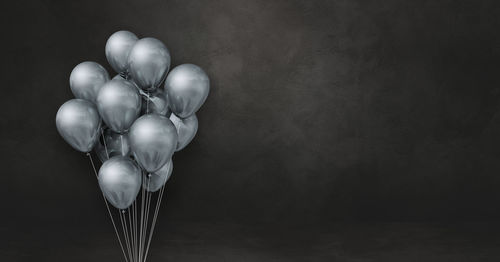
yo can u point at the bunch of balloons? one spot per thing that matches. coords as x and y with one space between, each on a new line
143 123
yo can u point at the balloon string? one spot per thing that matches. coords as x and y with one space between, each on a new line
146 220
158 203
121 142
131 233
146 212
104 141
142 221
125 233
147 104
109 211
135 228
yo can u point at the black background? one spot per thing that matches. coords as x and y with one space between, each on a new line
334 131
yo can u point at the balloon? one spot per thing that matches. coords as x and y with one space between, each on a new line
119 104
149 61
79 124
157 103
113 144
118 48
186 129
187 88
120 181
154 181
86 80
153 139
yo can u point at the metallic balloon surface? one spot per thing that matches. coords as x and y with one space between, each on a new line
120 181
79 124
155 103
154 181
187 88
119 104
153 139
118 48
148 61
186 129
86 80
113 144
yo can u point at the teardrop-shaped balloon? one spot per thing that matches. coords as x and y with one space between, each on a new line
148 61
154 181
120 181
118 48
153 139
79 124
186 129
113 144
155 103
119 104
187 88
86 80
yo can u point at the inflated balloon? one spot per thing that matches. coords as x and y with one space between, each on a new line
154 181
155 103
79 123
118 48
136 151
186 129
86 80
153 139
119 104
149 61
113 144
187 88
120 181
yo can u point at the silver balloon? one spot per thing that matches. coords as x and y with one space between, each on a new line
112 144
120 181
187 88
118 48
153 139
79 124
155 103
119 104
154 181
149 61
86 80
186 129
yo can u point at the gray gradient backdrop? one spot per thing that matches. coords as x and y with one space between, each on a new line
321 113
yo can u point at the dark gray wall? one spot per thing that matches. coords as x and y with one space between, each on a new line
319 110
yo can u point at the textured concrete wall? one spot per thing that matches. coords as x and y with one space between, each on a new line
318 110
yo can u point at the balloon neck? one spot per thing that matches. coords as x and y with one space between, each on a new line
124 75
123 211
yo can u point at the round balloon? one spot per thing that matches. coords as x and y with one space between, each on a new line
119 104
186 129
153 139
86 80
79 124
148 61
154 181
155 103
120 181
113 144
187 88
118 48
